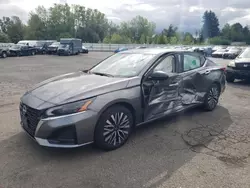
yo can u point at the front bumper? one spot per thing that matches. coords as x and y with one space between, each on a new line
67 131
238 74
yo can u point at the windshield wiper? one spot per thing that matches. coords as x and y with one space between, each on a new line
102 74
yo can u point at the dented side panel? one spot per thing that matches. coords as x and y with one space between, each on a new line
161 96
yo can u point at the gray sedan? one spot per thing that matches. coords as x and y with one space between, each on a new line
105 103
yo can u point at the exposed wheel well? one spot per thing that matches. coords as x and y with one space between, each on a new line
218 84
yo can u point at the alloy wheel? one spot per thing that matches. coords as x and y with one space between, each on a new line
116 129
213 97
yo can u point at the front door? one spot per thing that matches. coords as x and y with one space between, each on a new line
161 97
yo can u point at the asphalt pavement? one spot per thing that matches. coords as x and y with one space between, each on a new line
194 149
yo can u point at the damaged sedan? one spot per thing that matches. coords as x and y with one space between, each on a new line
102 105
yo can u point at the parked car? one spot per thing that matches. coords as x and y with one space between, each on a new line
141 47
85 50
104 103
215 48
22 50
121 49
219 53
240 67
69 46
42 46
52 49
31 43
206 51
232 53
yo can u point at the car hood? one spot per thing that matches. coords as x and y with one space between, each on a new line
242 60
76 86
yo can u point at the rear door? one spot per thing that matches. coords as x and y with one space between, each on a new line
161 96
197 78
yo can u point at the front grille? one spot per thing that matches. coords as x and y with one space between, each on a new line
242 66
30 118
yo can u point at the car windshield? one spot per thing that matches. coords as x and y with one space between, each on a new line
63 45
245 53
55 44
233 50
123 65
39 44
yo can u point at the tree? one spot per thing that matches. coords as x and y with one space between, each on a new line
13 27
173 40
137 27
36 28
118 39
218 41
4 38
237 33
171 31
143 39
210 25
188 38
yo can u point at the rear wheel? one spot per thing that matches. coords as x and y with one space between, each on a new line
230 78
113 128
212 97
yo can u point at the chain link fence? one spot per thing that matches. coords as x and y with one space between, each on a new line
112 47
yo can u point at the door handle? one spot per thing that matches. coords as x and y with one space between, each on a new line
207 72
173 85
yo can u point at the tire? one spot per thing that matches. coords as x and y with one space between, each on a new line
212 97
4 55
110 132
33 53
230 78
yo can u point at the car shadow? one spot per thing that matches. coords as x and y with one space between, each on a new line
153 153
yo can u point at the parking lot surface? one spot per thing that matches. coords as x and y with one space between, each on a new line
194 149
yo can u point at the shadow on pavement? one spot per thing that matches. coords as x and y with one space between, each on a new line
154 152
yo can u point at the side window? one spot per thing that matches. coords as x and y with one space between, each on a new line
191 62
166 65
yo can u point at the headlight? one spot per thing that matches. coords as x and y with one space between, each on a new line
69 108
231 64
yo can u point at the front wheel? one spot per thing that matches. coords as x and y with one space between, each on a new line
212 97
113 128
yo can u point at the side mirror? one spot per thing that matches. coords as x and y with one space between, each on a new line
158 75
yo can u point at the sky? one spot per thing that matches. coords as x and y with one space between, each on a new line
185 14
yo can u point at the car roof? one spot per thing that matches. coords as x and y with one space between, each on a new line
153 51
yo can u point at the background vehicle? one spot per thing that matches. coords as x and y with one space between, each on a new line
31 43
69 46
42 46
103 104
22 50
232 53
84 49
121 49
219 53
206 51
52 49
240 67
